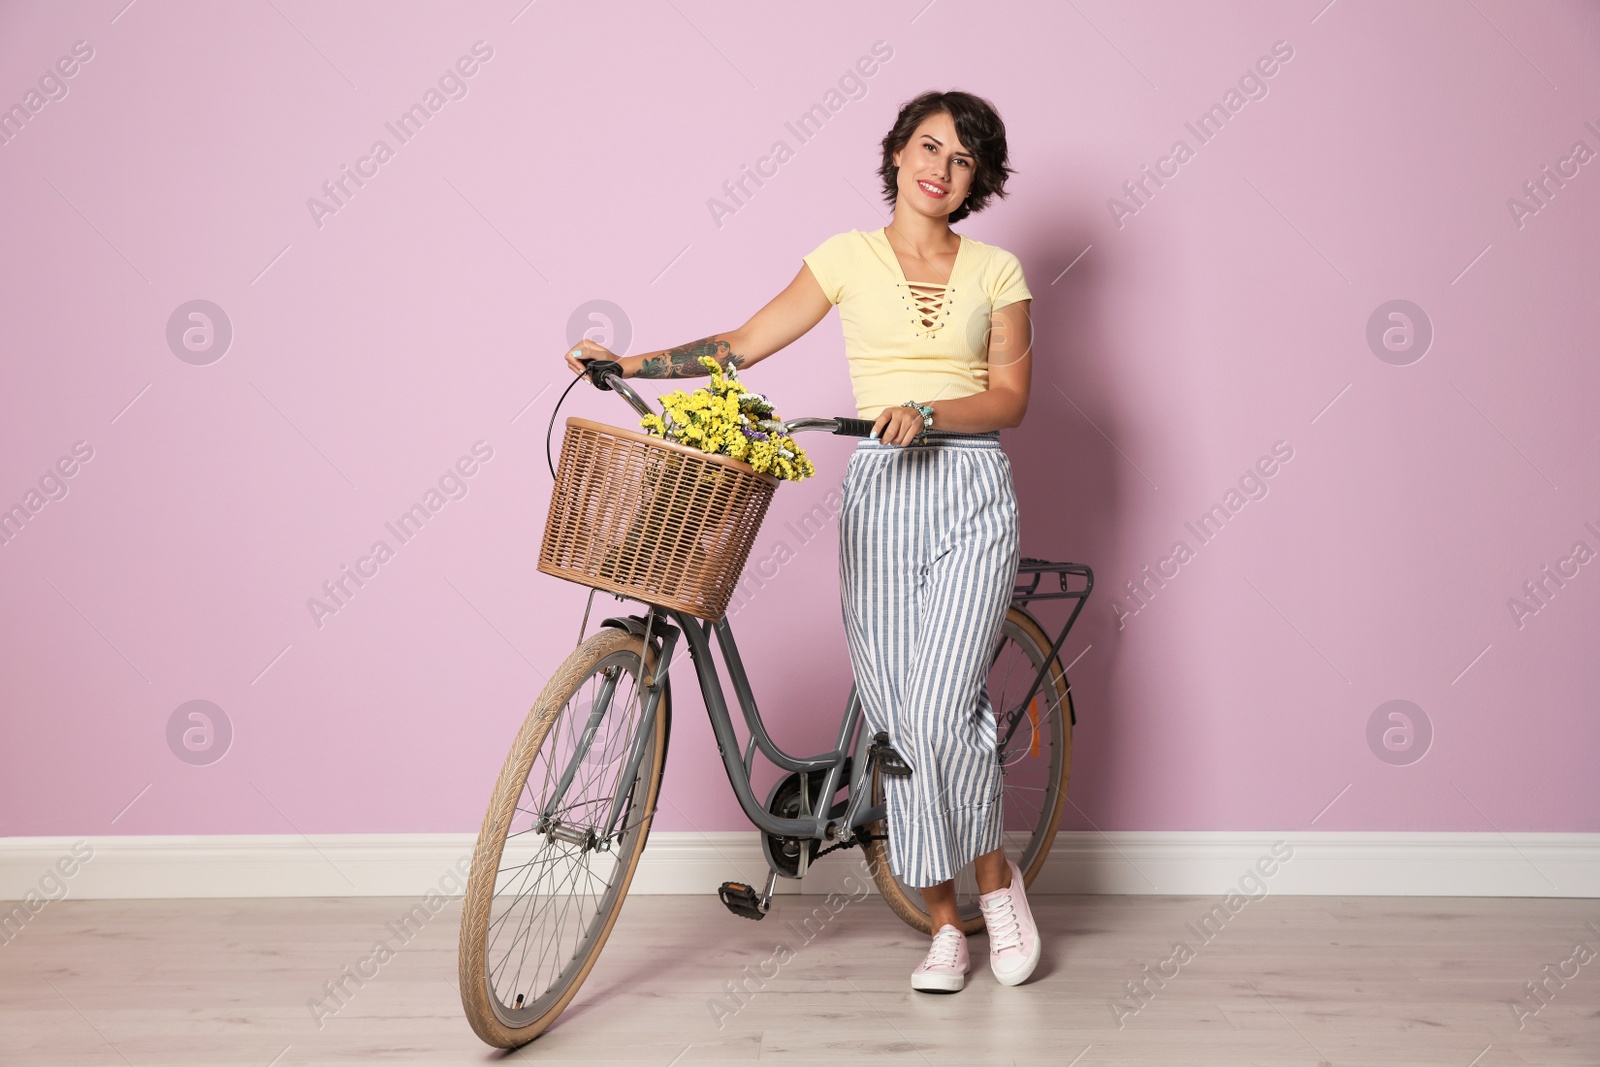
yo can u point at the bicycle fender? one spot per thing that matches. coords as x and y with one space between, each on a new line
634 624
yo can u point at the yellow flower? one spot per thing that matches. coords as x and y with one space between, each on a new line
714 419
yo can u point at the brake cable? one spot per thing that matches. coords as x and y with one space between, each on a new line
552 425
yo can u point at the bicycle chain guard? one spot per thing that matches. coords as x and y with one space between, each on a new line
784 853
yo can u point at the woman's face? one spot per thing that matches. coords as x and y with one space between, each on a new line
936 169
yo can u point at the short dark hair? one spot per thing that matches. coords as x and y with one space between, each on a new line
981 132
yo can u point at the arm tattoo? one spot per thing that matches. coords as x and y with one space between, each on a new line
684 361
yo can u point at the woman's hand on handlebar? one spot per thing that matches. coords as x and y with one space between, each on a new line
586 350
897 426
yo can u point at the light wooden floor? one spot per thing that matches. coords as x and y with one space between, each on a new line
1288 981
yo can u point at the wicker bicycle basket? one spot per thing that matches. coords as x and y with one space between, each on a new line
651 519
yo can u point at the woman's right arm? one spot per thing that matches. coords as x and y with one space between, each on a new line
784 319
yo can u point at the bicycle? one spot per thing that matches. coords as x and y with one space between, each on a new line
572 807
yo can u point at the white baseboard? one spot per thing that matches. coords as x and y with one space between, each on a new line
1135 862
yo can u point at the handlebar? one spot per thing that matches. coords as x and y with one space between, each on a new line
607 374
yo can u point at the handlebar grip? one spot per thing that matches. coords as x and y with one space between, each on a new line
853 428
597 369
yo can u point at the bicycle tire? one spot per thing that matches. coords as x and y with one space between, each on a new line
1020 628
500 1014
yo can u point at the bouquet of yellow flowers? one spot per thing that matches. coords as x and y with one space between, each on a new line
726 419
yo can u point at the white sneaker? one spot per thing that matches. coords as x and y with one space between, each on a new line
944 969
1014 945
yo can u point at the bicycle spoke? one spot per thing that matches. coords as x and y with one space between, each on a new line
552 895
525 929
554 930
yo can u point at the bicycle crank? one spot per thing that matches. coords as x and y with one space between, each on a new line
791 856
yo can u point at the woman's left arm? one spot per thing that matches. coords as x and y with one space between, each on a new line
1001 406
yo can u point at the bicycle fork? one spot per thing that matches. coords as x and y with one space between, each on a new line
652 684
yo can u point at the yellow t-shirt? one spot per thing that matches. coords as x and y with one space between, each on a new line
898 345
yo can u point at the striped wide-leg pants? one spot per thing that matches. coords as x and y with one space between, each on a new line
928 551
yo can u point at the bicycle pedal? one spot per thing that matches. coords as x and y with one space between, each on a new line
888 760
741 899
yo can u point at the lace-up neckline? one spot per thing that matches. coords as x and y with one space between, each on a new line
927 303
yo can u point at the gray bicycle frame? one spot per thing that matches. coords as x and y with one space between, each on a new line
815 825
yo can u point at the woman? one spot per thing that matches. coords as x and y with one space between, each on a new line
937 333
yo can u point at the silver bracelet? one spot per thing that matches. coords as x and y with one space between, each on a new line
926 411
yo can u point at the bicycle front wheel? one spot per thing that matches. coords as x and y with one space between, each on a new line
550 871
1035 747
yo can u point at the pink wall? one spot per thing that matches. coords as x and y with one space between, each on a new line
373 346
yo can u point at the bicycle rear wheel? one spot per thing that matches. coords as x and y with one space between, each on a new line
548 877
1035 763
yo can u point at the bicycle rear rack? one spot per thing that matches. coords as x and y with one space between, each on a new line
1030 575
